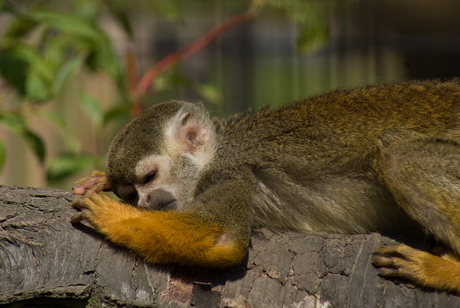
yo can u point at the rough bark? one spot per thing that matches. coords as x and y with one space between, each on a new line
45 260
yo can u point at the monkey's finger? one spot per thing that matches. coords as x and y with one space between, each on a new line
96 182
388 256
86 207
397 251
77 218
92 186
78 190
382 260
400 261
94 176
101 185
97 198
82 203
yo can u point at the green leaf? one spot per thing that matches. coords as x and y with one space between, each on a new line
102 57
168 9
53 117
68 164
14 70
20 27
92 109
17 125
55 49
37 89
35 143
6 7
312 30
66 41
209 91
69 24
70 141
2 155
118 10
119 112
39 75
12 121
86 9
65 72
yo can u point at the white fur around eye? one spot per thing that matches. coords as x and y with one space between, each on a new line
151 163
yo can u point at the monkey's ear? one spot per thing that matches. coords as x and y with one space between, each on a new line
191 132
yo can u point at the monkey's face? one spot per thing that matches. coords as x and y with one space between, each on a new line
154 187
156 160
163 183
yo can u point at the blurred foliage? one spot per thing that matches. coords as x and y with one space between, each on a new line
312 31
45 43
40 50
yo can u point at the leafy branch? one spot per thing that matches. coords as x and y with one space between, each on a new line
42 49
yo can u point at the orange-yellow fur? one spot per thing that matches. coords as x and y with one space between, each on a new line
161 237
422 268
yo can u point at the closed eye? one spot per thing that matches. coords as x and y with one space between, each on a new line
149 177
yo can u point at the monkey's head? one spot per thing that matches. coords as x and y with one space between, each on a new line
156 159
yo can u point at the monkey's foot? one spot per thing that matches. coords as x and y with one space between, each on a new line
398 261
421 268
94 183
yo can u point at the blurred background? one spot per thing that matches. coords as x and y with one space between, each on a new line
73 72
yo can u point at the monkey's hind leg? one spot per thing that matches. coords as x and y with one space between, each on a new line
423 174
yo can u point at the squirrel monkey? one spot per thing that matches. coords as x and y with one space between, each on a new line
378 158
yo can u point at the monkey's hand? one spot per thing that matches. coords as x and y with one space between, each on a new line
94 183
95 208
161 237
421 268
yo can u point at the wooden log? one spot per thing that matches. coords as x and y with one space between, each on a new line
45 260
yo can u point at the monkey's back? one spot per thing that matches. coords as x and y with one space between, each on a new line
344 122
312 159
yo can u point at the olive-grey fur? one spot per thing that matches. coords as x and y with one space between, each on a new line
321 164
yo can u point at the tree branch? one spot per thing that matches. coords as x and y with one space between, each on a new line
46 260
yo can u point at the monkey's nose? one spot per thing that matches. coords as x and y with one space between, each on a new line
169 206
160 199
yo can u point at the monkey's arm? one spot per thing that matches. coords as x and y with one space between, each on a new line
94 183
421 268
162 237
